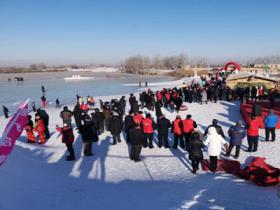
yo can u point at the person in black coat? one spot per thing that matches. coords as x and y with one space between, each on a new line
195 152
218 128
115 127
6 111
100 119
163 126
89 134
77 112
158 109
137 139
178 103
128 124
122 104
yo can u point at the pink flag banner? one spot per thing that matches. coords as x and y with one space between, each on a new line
13 130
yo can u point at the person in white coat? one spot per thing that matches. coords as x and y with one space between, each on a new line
215 142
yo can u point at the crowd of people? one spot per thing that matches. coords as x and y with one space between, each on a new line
141 130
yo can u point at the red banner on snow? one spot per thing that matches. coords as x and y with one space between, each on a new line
12 131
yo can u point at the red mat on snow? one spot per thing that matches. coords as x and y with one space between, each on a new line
246 111
258 171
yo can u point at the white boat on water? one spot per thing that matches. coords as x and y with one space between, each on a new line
78 77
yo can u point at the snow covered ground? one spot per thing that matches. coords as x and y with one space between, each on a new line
37 177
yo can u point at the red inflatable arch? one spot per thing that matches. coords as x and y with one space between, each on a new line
234 64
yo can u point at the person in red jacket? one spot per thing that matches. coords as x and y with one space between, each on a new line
138 117
188 127
40 129
178 132
29 130
253 133
148 127
67 138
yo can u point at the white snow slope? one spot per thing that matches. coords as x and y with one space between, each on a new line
37 177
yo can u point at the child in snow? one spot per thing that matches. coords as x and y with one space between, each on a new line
67 138
29 130
40 129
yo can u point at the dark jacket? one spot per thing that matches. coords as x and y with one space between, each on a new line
195 152
128 122
137 137
88 131
218 129
163 125
236 134
66 115
115 125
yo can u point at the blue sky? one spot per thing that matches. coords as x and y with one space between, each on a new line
107 31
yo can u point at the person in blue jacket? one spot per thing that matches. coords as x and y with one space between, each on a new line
270 122
236 133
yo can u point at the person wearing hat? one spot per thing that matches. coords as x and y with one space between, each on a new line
177 130
236 133
40 128
68 139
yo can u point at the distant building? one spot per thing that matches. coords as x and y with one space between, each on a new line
271 66
251 79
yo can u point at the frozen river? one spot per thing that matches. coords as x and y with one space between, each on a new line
103 84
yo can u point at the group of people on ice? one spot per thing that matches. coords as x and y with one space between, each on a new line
141 129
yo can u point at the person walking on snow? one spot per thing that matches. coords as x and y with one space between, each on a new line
195 152
236 134
214 141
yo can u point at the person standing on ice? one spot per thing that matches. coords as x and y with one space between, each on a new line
195 153
57 103
218 128
44 101
29 130
253 133
214 141
177 130
115 127
89 134
40 129
148 126
128 124
43 90
188 127
6 111
68 139
236 134
77 112
66 115
137 139
270 122
163 126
